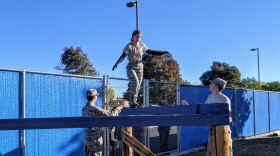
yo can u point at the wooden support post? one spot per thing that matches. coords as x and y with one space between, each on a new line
136 146
126 150
219 141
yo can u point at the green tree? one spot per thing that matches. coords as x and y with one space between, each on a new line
184 82
272 86
111 93
222 70
161 68
164 69
74 61
249 83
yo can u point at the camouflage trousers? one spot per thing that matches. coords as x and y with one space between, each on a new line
93 143
134 73
89 151
209 153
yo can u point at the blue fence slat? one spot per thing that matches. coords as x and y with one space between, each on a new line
194 95
261 109
193 136
230 93
10 104
56 96
274 102
245 112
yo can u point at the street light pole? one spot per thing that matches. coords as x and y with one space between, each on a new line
137 21
130 5
257 49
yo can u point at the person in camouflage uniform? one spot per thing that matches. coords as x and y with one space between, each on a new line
134 69
93 135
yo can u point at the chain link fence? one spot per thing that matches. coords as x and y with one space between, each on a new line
162 139
152 94
117 92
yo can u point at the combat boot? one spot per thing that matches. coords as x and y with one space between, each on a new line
133 101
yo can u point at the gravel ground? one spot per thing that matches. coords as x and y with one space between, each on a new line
259 146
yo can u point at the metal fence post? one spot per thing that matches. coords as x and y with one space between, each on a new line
146 104
178 90
105 99
269 124
178 93
254 105
146 93
22 115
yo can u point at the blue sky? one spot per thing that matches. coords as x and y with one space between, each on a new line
34 33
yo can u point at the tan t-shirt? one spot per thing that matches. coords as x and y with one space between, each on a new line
133 52
221 98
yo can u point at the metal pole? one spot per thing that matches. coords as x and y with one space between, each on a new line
137 21
107 108
258 65
22 132
146 104
178 102
105 129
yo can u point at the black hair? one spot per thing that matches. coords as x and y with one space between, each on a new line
220 87
89 98
135 32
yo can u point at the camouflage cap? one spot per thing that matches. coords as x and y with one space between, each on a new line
219 82
92 92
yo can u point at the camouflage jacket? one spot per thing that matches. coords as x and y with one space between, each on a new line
93 135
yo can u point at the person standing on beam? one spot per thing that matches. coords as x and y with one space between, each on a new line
134 69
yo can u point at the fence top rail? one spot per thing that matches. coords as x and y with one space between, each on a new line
162 82
117 78
48 73
202 116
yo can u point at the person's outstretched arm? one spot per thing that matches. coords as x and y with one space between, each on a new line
156 52
119 61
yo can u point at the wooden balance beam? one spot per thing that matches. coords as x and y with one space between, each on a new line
219 134
196 115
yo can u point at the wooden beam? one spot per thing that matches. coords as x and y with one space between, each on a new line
219 108
126 149
119 121
137 146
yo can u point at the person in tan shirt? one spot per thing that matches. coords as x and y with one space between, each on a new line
134 69
216 87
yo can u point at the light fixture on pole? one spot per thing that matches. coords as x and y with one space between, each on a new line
257 49
130 5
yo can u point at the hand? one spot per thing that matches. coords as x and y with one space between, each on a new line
115 66
184 102
104 105
123 104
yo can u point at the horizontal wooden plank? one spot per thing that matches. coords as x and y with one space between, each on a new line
163 110
120 121
218 108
